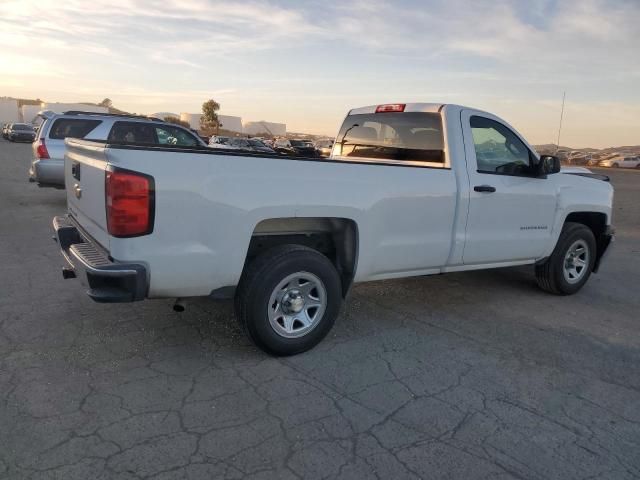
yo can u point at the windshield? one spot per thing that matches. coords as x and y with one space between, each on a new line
22 126
256 143
298 143
410 137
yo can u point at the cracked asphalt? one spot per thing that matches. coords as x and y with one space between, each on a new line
464 376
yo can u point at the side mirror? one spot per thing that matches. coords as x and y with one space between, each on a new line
548 164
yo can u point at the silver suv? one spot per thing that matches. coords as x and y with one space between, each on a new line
47 167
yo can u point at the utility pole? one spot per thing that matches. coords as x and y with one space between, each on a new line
564 94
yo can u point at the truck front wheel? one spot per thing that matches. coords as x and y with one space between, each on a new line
571 263
288 299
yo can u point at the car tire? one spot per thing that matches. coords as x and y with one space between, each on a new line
288 299
568 268
615 165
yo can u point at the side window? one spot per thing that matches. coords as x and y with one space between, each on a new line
132 132
72 127
175 136
498 149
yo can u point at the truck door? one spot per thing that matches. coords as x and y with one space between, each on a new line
511 213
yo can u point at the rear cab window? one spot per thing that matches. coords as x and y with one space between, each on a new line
72 127
405 138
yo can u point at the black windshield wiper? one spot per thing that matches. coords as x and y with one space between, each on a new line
344 136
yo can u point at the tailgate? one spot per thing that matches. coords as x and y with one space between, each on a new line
84 173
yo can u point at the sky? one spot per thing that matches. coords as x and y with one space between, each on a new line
307 62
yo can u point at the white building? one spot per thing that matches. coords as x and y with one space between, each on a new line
262 127
228 122
163 115
9 112
66 107
231 123
29 112
192 118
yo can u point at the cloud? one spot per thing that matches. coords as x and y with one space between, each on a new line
335 52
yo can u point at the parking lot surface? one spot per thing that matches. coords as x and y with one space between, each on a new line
463 376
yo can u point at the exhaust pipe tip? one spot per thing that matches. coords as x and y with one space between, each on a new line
68 273
180 305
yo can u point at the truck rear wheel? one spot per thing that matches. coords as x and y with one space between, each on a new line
288 299
571 263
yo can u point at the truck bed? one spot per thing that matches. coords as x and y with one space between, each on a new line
209 203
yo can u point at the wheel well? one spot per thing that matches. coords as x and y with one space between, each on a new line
336 238
597 222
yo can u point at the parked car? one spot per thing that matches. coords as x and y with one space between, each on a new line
407 192
47 168
21 132
220 142
300 148
579 158
256 145
621 162
323 147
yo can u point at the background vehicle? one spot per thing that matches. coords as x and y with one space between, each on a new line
20 132
221 142
47 168
324 147
259 146
621 162
397 200
301 148
579 158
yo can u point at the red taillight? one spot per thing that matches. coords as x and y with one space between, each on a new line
130 203
41 150
391 107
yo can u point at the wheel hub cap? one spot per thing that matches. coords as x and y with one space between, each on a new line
576 261
297 305
292 302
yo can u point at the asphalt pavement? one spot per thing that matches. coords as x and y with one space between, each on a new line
464 376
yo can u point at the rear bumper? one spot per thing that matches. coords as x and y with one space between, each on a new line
48 172
21 138
107 281
603 243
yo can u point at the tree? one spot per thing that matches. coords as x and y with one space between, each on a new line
177 121
106 103
209 119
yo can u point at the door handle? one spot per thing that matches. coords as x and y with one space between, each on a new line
484 188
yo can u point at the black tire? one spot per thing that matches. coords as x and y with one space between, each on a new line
550 274
258 283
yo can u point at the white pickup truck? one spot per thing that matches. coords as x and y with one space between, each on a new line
409 189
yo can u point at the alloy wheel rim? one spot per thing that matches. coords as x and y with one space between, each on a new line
576 262
297 304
